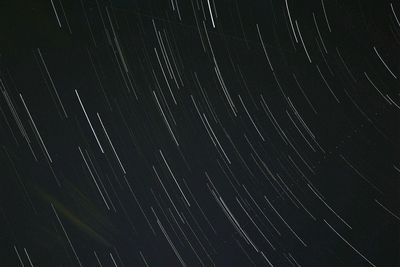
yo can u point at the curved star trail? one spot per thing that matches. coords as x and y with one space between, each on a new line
200 133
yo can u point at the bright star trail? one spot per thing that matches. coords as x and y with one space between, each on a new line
199 133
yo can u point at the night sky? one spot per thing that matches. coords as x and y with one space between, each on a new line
199 133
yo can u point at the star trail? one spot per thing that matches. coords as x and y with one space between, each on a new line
199 133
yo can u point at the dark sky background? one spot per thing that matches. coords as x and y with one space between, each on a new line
199 133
